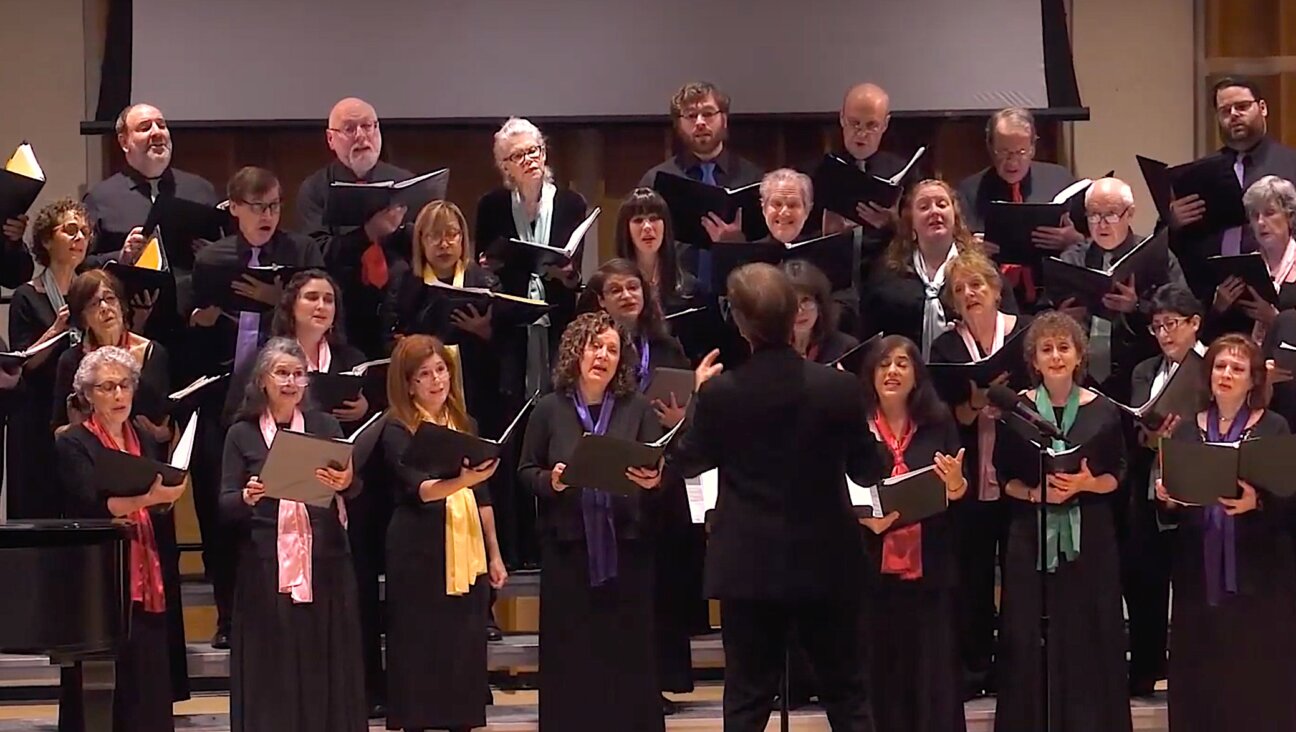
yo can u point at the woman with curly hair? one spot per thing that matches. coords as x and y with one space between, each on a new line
597 649
905 293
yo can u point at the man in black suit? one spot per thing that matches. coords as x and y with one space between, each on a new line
785 552
1242 115
16 264
358 257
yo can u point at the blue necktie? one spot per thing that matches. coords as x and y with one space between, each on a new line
249 325
704 255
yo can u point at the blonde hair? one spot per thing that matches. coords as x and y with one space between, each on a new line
967 264
409 355
434 219
899 253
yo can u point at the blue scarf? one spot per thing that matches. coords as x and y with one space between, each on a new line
1219 540
596 505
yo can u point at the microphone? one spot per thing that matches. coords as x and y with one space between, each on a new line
1009 401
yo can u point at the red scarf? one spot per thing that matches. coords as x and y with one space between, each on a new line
1019 276
901 548
145 564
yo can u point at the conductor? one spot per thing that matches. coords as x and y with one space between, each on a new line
785 552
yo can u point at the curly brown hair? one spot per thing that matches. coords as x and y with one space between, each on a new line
899 253
579 334
47 220
1055 324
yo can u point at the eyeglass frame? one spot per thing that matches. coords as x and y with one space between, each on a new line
260 208
1106 218
517 157
1166 326
349 130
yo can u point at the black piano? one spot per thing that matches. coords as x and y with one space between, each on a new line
64 593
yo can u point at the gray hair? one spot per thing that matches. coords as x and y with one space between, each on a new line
255 400
1122 189
1017 115
87 374
1270 190
788 175
511 128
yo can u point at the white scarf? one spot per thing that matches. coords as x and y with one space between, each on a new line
933 313
988 481
1284 273
538 332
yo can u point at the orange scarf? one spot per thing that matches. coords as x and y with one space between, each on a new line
901 548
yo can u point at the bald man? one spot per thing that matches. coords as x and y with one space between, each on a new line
358 257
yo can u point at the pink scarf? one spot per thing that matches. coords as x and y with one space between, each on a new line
324 359
987 481
293 550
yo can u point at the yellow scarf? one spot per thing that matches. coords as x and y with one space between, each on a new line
465 545
430 276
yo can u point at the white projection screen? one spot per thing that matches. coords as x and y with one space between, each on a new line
256 60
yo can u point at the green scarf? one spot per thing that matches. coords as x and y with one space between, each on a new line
1061 522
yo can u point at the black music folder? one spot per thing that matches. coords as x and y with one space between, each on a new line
1087 285
1211 177
12 360
690 200
139 279
186 398
834 255
331 390
953 380
1182 394
531 256
1266 463
667 382
915 495
289 469
1250 268
123 475
601 462
840 186
438 450
506 310
1199 473
354 203
1010 225
1285 356
21 182
853 358
213 284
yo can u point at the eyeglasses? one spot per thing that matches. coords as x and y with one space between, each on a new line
1169 325
1241 107
263 207
72 228
1021 152
706 115
449 235
535 151
350 129
285 378
633 286
1106 218
871 127
108 299
431 374
108 388
807 304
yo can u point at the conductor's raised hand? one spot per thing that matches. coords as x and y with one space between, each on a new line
646 478
555 477
879 525
709 367
472 475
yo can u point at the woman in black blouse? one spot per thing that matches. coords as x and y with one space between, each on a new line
1270 205
151 670
903 295
597 664
38 313
1232 653
436 598
814 334
974 296
912 569
96 310
1086 641
295 663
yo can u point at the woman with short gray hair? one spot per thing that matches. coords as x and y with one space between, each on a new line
151 666
1270 205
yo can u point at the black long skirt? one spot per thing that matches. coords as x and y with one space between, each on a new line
436 647
681 609
33 489
143 697
1233 666
296 667
1086 643
913 653
597 652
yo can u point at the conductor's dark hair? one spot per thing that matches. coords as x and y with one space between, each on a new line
1238 81
764 304
250 181
925 407
255 400
810 281
1176 299
647 202
284 325
651 323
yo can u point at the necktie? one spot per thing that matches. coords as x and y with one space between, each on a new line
249 325
708 173
1015 194
704 255
1232 241
1100 331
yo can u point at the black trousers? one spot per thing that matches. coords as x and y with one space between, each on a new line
367 518
982 535
219 540
1146 556
515 506
755 633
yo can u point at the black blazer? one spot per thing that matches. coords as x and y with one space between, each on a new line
783 527
551 435
1041 184
892 303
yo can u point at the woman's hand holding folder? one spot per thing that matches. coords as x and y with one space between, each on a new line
880 525
335 478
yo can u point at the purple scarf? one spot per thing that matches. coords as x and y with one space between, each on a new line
641 371
1219 545
596 505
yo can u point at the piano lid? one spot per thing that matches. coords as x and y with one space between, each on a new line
59 532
